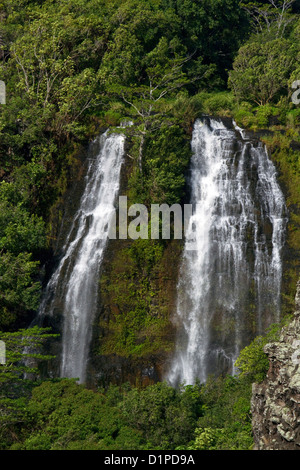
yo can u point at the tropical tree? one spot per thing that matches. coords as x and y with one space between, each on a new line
22 351
261 70
272 16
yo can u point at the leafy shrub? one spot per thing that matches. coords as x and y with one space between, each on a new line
219 103
65 415
262 69
252 362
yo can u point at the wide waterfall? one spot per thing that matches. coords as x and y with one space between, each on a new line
230 278
72 289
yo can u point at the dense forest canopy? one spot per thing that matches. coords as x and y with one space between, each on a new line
71 68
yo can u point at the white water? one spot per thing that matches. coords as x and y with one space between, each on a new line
74 284
231 270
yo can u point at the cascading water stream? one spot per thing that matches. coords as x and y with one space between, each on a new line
73 286
230 277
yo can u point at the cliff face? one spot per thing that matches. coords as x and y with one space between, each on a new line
276 401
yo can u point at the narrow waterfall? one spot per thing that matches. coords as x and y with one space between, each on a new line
230 278
72 290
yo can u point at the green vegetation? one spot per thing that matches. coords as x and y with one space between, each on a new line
18 376
262 69
59 414
226 421
22 239
62 415
73 68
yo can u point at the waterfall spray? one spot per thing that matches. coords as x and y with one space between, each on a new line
231 278
74 283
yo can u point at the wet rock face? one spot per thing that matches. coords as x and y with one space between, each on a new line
276 401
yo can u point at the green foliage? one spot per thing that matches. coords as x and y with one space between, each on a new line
226 401
271 18
22 237
263 115
67 61
67 412
22 347
165 417
261 70
20 293
207 31
67 416
258 117
217 103
166 157
52 59
20 231
18 375
138 325
145 255
226 420
70 68
252 362
205 439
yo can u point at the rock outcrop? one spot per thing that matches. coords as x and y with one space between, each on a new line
276 401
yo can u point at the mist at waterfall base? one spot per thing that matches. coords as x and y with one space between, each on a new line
72 292
231 270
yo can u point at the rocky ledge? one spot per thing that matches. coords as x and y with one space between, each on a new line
276 401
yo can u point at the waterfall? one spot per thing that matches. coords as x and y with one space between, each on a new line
230 277
72 290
